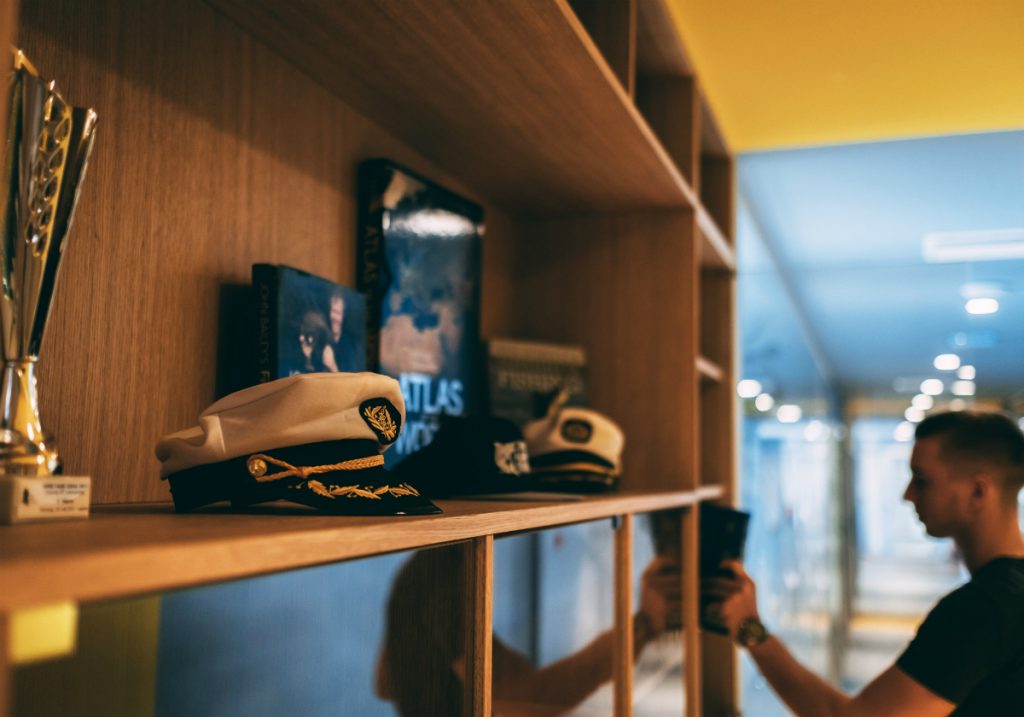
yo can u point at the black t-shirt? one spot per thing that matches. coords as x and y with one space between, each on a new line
970 648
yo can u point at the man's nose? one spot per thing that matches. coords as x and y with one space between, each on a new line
906 493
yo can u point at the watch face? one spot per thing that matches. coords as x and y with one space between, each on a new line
752 632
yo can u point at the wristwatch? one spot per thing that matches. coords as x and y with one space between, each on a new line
751 633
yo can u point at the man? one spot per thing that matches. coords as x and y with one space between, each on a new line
968 656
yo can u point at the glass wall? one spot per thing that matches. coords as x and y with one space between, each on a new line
790 470
382 636
553 621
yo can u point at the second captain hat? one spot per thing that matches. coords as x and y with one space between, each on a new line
574 449
315 439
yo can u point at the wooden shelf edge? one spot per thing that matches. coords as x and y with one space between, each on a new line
126 551
708 370
716 251
710 492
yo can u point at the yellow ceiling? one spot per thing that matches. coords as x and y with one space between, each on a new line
785 73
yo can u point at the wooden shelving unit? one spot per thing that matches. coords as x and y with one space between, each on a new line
229 134
125 551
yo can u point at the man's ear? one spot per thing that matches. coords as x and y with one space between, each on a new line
984 487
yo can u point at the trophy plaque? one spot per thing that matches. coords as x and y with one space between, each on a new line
48 145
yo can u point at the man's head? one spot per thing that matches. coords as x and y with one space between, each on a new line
965 464
337 315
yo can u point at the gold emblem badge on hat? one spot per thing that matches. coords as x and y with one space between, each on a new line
576 430
382 418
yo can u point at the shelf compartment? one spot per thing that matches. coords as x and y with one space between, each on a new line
612 26
515 99
131 550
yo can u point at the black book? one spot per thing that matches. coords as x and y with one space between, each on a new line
418 265
306 324
723 535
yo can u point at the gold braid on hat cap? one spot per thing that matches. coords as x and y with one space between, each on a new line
257 465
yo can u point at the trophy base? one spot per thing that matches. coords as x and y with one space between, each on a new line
42 498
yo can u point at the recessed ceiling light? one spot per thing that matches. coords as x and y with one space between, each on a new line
748 388
904 432
922 401
789 413
963 388
947 362
981 306
764 402
914 415
932 386
966 372
985 245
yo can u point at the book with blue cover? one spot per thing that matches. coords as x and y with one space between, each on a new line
306 324
419 268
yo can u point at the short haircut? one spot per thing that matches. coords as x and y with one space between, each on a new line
979 437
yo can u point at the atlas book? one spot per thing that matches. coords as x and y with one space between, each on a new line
523 377
419 268
306 324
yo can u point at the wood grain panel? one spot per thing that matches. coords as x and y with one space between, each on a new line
148 548
5 668
212 153
612 26
623 637
717 192
625 288
693 665
513 97
718 405
480 601
671 107
659 48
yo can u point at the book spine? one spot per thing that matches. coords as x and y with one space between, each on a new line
265 286
370 256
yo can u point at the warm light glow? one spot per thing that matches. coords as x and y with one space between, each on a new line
966 372
922 401
957 404
904 432
914 415
963 388
947 362
764 402
748 388
932 386
789 413
981 306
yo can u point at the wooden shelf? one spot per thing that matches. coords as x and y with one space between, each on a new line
131 550
715 250
514 98
710 492
708 370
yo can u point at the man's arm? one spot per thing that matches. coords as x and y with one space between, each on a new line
891 694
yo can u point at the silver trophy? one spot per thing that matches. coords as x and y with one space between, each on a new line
47 150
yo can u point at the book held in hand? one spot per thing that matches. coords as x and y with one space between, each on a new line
306 324
419 267
723 535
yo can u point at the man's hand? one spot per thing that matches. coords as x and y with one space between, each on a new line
735 598
661 594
